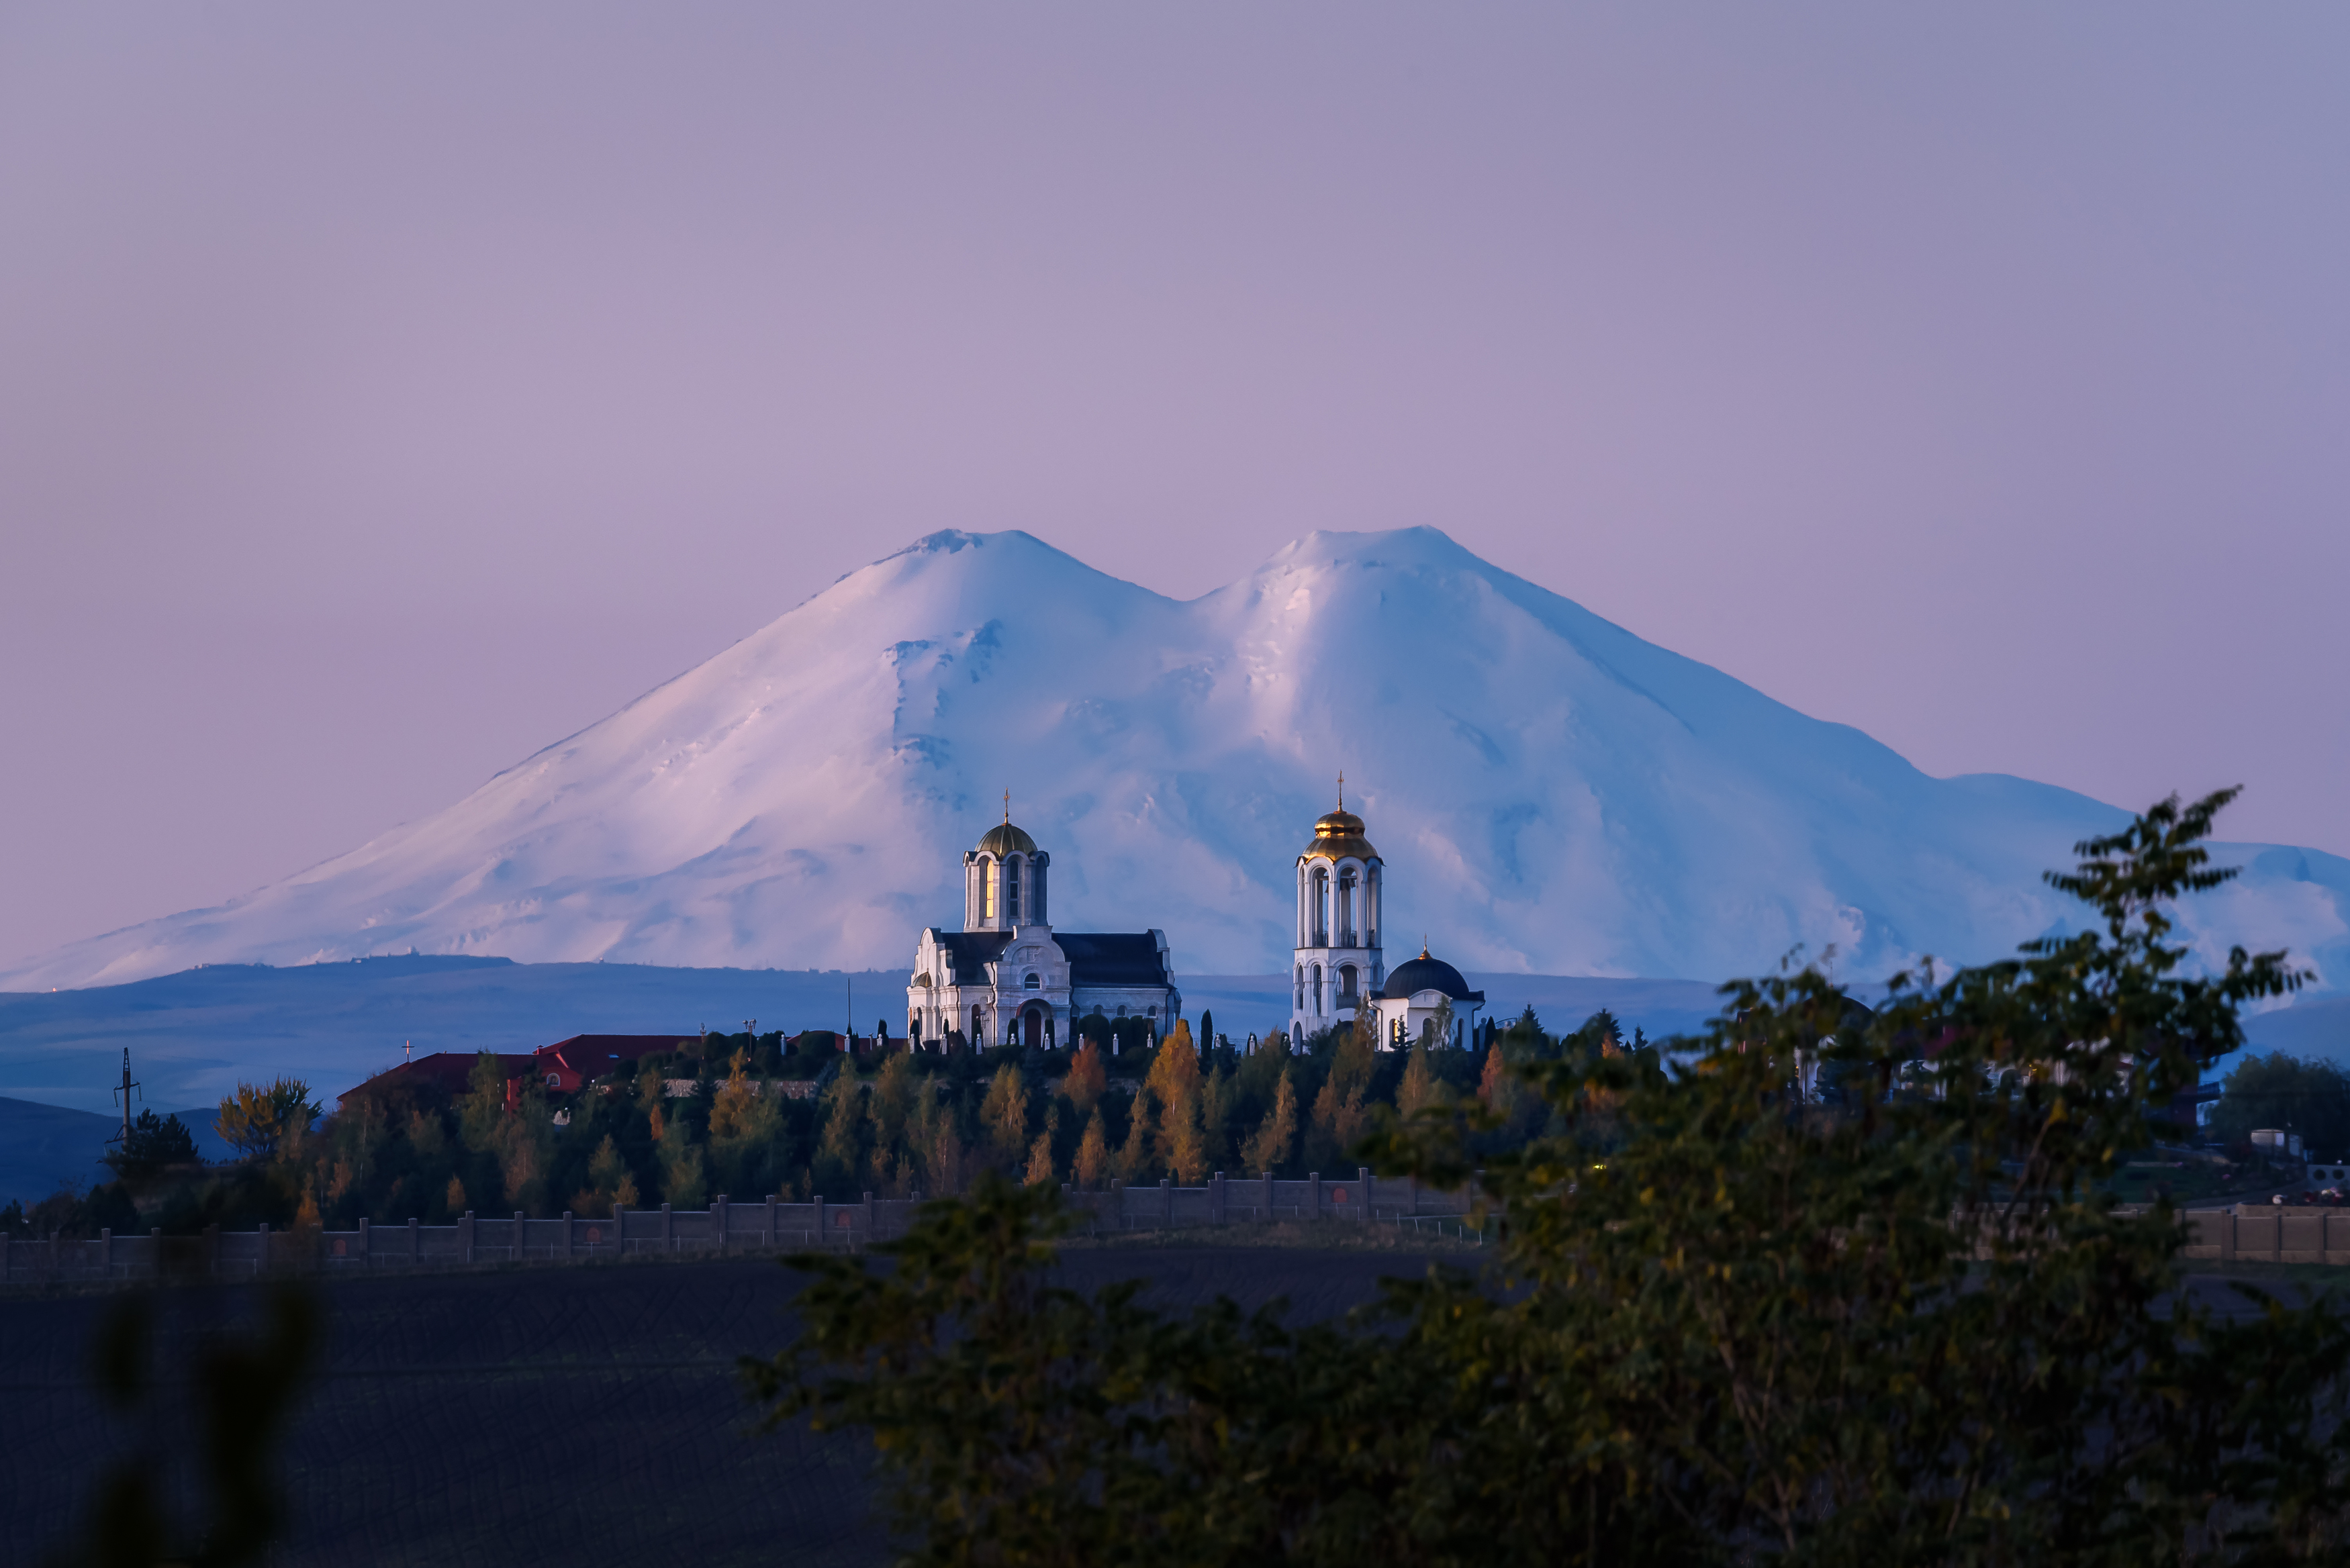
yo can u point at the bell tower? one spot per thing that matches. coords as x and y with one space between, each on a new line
1336 964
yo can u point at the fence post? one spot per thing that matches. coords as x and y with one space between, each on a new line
106 1254
620 1232
1265 1209
570 1250
1117 1202
415 1244
1216 1200
1165 1203
767 1232
1363 1179
517 1236
718 1218
1314 1195
868 1218
669 1230
364 1262
466 1236
823 1230
262 1267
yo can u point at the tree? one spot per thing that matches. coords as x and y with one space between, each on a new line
1421 1085
1268 1148
2308 1097
1005 1114
153 1144
255 1119
1086 1080
1093 1153
1040 1154
1917 1331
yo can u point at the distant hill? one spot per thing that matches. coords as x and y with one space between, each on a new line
1551 794
44 1147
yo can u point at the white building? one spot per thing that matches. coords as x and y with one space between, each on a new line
1008 978
1340 900
1416 993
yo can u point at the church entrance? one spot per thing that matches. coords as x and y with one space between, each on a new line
1032 1023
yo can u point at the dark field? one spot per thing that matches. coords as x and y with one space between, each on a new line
583 1415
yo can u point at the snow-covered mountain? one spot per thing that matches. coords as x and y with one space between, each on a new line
1550 793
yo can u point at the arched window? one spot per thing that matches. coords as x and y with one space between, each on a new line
1012 891
1318 988
1344 914
1321 908
978 1030
1031 983
1346 985
1371 908
987 890
1297 989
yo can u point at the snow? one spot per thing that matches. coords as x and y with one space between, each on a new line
1551 794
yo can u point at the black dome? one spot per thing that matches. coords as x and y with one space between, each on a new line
1425 973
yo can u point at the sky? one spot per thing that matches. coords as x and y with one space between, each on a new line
387 392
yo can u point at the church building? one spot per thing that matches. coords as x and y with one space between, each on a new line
1007 978
1339 967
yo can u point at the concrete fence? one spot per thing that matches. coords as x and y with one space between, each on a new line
770 1225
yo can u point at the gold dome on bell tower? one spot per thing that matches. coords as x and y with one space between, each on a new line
1337 834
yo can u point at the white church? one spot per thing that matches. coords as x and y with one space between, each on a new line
1008 978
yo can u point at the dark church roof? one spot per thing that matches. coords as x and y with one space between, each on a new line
1113 957
1425 973
1096 958
972 952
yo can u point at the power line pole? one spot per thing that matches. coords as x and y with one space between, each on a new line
123 1092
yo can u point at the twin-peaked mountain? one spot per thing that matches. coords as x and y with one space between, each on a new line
1550 794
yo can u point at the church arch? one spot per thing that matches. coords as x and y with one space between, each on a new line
1031 1023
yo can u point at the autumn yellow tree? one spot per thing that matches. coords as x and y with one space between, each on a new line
1134 1155
1040 1155
1086 1080
1093 1153
1421 1085
1004 1114
256 1118
1268 1148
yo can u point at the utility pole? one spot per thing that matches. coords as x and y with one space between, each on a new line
123 1137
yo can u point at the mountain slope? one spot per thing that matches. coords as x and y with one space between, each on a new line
1550 793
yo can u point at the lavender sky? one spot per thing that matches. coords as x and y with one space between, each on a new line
386 391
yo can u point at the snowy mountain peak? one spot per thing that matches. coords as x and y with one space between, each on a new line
1551 793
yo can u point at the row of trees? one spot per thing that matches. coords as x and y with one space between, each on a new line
908 1122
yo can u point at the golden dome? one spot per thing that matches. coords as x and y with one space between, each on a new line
1005 840
1339 834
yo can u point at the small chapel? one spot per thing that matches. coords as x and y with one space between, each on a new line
1008 978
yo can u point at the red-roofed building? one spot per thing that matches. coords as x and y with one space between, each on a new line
568 1065
562 1068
